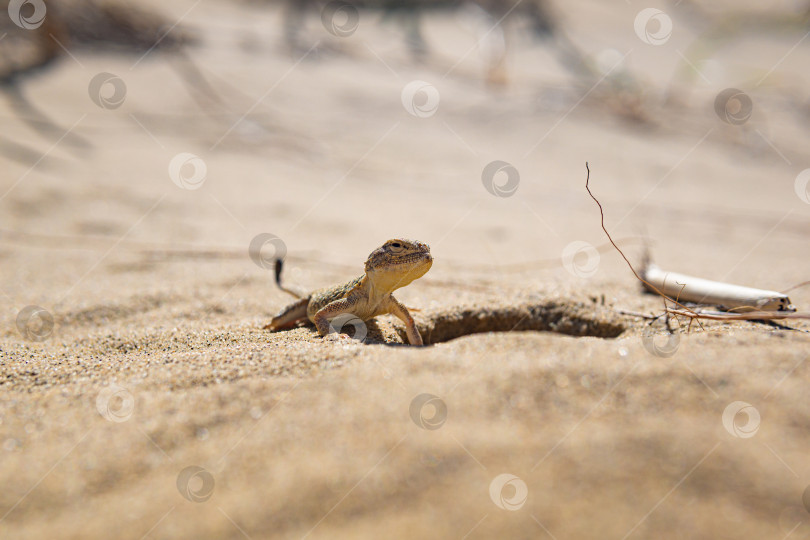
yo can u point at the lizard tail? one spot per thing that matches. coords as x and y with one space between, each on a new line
289 316
279 267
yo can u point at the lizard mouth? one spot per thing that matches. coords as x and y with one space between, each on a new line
415 258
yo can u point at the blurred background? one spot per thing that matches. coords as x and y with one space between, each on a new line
313 120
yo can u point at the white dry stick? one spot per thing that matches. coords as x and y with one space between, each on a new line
685 288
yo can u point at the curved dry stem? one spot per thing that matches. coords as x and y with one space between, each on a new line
685 311
642 280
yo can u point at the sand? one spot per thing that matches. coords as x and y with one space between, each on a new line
157 363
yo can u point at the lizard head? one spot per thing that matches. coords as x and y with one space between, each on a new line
398 262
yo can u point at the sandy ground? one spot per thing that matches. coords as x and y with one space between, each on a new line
156 362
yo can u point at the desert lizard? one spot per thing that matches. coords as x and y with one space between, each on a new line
393 265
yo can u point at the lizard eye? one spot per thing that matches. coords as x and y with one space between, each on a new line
395 245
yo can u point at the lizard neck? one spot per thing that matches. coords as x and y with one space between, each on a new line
375 287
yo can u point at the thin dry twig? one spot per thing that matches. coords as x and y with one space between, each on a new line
797 286
684 310
749 316
610 238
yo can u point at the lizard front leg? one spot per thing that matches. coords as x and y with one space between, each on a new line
330 311
401 312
